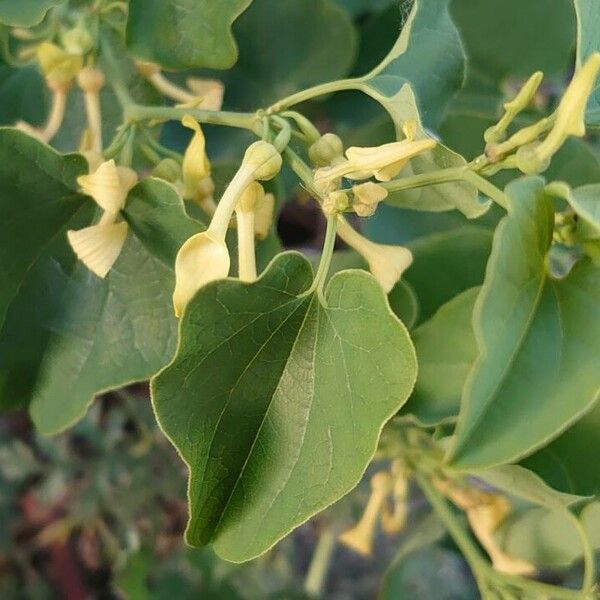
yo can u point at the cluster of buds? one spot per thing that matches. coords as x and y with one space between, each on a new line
533 155
205 257
99 245
360 538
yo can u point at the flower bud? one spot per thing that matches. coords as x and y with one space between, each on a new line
168 169
327 150
91 80
263 160
336 202
78 40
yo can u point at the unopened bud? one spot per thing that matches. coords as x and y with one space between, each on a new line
263 160
168 169
91 80
327 150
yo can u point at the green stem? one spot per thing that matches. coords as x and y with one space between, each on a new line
482 570
313 92
487 188
327 254
589 562
135 112
319 565
424 179
302 170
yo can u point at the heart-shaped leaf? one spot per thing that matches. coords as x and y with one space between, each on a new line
538 341
276 399
66 334
183 34
25 13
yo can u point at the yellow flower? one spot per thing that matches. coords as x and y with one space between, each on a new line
202 259
360 538
196 165
99 246
56 64
382 162
386 263
367 196
210 92
263 216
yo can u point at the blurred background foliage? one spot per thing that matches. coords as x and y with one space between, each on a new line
99 512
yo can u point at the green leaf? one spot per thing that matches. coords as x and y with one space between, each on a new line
276 398
23 95
588 42
309 42
548 538
428 55
184 34
156 214
446 350
361 7
446 264
38 198
503 39
25 13
538 341
403 300
565 463
110 333
584 200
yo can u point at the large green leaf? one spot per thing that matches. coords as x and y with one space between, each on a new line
109 333
38 197
66 334
584 200
360 7
446 350
588 42
446 264
183 34
22 95
286 47
25 13
156 214
276 398
538 341
428 55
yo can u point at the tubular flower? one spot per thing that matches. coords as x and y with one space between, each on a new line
382 162
386 263
99 246
569 121
58 65
204 257
246 213
196 165
367 196
360 538
209 93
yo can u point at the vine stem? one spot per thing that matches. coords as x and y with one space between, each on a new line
326 256
487 188
482 570
317 90
135 112
319 565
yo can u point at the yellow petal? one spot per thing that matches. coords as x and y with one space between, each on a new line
210 90
386 161
99 246
202 259
251 197
58 64
370 193
196 165
388 263
109 185
263 218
